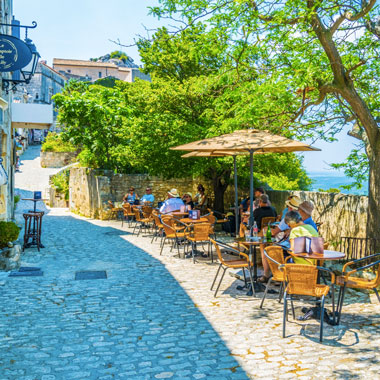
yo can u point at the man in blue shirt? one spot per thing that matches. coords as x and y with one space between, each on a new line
173 203
148 196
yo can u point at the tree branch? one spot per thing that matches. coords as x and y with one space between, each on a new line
347 15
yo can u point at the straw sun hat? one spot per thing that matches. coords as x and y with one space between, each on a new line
294 202
173 193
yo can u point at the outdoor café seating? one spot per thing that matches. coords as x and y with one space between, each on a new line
275 257
346 280
302 280
142 221
173 232
128 213
158 227
242 261
199 234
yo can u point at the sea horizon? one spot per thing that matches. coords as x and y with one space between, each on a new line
327 180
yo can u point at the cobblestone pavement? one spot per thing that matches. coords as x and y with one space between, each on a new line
154 317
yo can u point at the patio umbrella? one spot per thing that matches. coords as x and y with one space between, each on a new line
222 154
247 141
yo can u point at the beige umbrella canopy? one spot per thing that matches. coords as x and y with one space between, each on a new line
246 140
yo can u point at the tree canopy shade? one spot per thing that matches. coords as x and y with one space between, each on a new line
319 56
193 94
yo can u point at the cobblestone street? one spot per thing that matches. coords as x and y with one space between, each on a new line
154 316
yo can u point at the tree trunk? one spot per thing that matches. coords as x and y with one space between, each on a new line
373 220
220 183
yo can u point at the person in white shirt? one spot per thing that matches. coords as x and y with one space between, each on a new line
173 203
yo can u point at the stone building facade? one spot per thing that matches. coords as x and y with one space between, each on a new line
6 138
45 83
92 71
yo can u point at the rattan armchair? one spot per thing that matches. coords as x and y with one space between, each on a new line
141 221
129 215
113 210
266 220
238 263
301 280
211 220
199 233
349 281
173 232
275 256
157 226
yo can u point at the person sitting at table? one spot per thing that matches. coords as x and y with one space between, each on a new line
281 232
306 209
298 229
292 204
200 197
173 202
148 197
130 197
286 208
260 212
264 210
187 200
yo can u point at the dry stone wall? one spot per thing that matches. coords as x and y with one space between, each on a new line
90 191
57 159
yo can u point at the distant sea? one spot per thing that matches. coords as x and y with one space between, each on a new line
332 180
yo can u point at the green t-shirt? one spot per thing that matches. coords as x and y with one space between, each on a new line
303 230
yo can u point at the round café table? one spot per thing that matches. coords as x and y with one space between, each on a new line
252 246
192 221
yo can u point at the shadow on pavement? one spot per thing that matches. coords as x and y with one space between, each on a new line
138 321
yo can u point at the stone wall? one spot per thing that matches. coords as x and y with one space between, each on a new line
57 199
57 159
340 214
90 190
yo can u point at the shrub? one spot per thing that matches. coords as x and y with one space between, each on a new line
8 232
16 199
54 143
61 183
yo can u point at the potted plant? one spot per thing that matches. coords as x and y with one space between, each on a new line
9 232
9 251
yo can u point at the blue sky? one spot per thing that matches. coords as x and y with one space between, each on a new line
82 29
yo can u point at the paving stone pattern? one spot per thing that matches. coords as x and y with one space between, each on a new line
154 317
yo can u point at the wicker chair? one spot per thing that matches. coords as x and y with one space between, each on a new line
141 221
199 233
173 232
266 220
129 215
241 263
275 257
302 280
348 281
211 220
158 226
113 210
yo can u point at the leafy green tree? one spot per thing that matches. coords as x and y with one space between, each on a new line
324 52
93 118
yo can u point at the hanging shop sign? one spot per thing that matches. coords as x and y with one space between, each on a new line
14 53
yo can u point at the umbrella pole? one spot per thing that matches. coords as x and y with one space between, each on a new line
250 189
236 200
